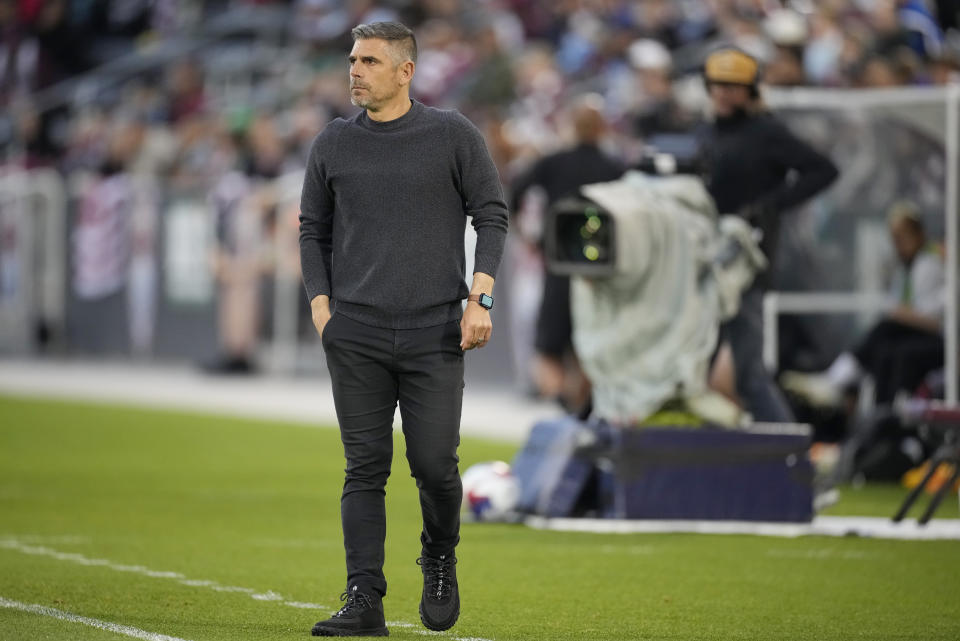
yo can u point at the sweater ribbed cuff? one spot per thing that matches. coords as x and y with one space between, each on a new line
486 264
316 289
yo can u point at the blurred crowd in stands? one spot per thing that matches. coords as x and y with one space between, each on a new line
272 75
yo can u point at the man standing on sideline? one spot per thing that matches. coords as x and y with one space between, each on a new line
385 201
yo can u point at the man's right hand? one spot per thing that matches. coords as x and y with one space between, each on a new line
320 311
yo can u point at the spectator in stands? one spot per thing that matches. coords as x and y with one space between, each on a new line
18 54
788 32
945 68
556 371
922 33
36 148
658 111
186 91
750 156
879 71
823 50
907 344
785 69
243 201
490 83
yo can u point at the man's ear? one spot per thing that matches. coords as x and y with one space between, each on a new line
406 70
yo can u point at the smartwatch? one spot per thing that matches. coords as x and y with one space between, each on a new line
485 300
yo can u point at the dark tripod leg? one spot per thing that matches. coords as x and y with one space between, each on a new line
915 492
935 501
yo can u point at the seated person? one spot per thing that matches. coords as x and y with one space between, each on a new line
907 344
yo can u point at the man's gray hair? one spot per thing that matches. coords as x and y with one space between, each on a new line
399 36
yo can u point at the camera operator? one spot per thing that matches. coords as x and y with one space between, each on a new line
758 169
561 174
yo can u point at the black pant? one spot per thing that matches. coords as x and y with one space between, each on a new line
898 357
755 387
554 322
372 369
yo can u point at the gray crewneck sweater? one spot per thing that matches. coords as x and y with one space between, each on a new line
383 212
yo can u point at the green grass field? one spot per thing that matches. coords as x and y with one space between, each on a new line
98 502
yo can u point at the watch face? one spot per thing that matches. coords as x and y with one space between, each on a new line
486 301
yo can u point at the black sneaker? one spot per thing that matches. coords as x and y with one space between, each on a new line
361 616
440 604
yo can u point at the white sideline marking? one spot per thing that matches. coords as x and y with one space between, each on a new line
840 526
53 613
80 559
416 629
304 605
230 588
269 595
198 583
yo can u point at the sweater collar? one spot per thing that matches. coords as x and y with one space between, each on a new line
375 125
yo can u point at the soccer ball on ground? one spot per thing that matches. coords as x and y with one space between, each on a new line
490 491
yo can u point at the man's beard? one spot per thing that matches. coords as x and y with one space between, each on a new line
369 101
365 100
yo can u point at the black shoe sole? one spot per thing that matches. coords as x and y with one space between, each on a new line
440 627
319 631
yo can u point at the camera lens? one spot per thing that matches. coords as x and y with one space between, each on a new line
584 235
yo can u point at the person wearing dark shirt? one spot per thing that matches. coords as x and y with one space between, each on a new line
386 198
561 175
758 169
